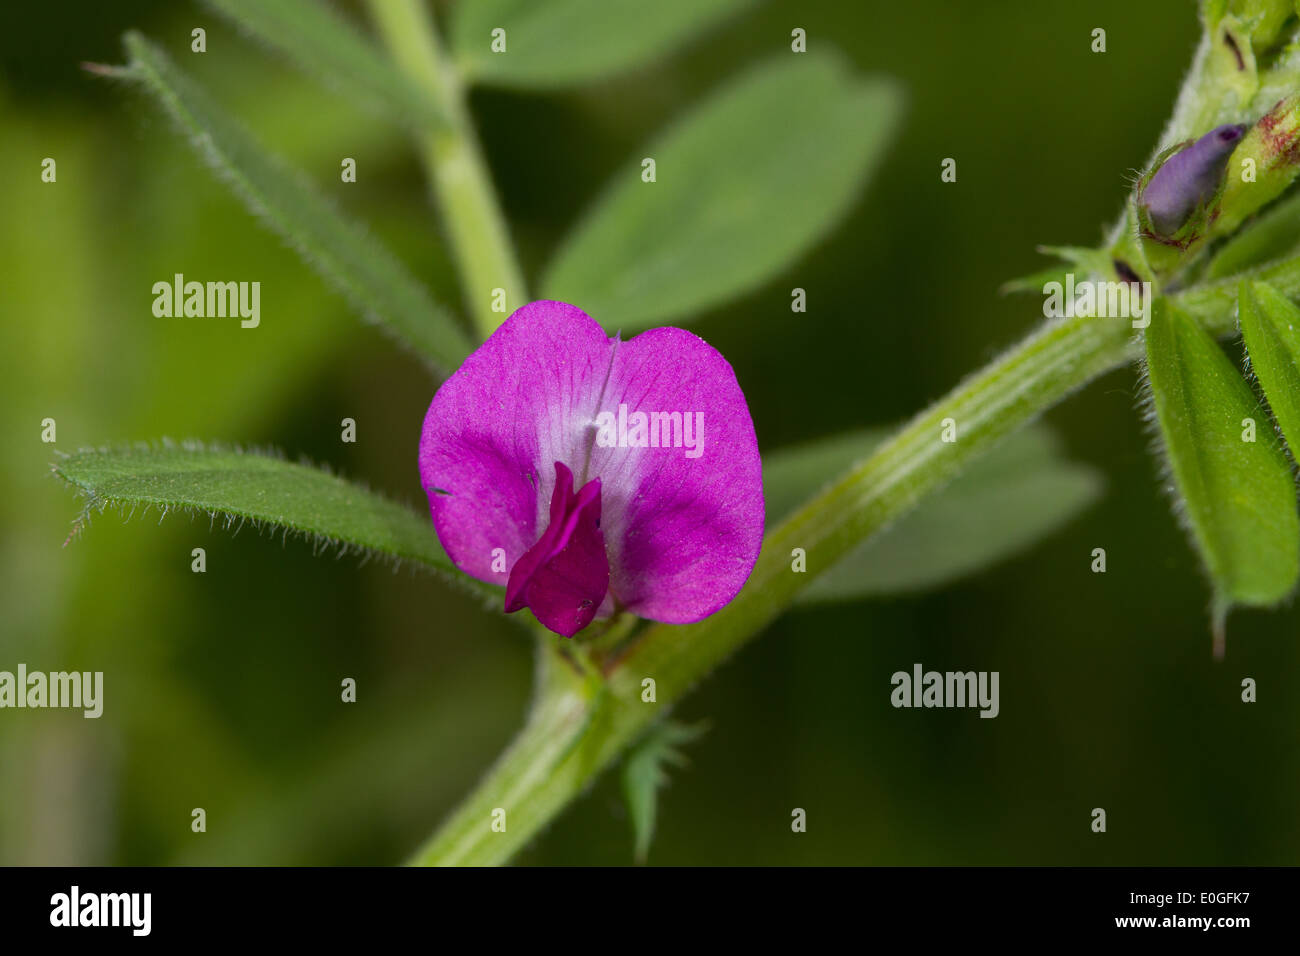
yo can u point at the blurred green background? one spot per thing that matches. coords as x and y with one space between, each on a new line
222 689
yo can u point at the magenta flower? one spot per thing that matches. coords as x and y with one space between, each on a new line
588 474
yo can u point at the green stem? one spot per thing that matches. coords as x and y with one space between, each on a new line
459 177
572 734
523 781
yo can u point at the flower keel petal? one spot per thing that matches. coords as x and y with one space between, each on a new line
564 577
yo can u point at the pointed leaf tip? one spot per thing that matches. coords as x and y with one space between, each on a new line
644 773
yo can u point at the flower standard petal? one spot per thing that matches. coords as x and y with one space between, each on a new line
683 520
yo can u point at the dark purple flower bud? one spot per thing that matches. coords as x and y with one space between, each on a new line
1188 178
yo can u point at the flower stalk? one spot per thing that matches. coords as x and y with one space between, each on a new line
458 175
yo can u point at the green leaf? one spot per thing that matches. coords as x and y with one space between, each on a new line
1076 258
552 43
1237 496
1270 324
1020 492
324 44
1083 258
258 488
1033 282
341 250
1214 304
644 773
1275 235
744 184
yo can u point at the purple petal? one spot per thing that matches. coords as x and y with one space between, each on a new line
682 526
1189 178
683 532
496 428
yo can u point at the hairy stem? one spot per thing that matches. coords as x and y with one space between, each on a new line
458 175
574 731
